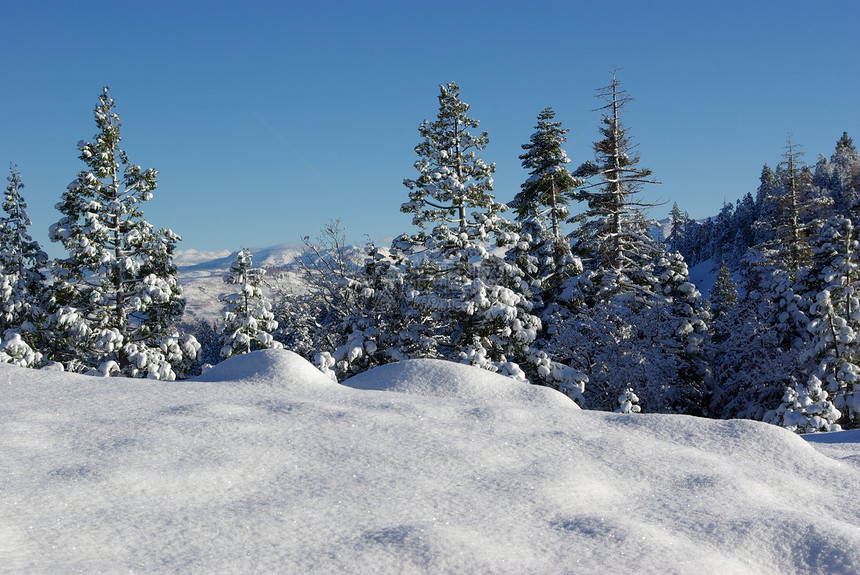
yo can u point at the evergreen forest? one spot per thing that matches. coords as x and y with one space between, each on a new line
564 284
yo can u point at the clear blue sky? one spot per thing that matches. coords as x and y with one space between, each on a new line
268 119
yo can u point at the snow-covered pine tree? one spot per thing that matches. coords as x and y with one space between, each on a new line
766 331
613 234
117 297
248 318
839 176
548 190
23 295
543 251
604 328
830 396
724 294
793 212
678 222
678 331
765 207
746 214
723 234
473 305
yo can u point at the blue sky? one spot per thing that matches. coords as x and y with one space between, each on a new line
268 119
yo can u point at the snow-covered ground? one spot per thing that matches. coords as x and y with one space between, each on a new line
264 465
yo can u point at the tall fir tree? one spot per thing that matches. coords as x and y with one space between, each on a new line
839 177
117 294
830 398
765 334
547 192
791 217
631 294
678 223
724 294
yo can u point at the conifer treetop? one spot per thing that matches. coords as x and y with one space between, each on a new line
549 187
453 179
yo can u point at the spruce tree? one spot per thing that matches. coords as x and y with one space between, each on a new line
678 222
724 294
839 176
117 295
723 233
547 192
830 397
632 321
680 323
766 333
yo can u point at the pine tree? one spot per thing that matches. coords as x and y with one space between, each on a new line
724 294
633 323
117 295
613 233
792 215
765 207
839 177
678 222
678 329
543 251
470 303
23 296
746 214
723 233
549 188
828 397
758 362
248 319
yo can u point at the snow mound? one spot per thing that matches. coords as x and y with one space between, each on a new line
439 378
108 474
278 367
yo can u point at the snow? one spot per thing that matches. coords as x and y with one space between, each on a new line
265 465
433 378
192 257
704 276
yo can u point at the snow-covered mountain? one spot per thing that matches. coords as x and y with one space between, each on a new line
265 465
202 276
281 255
202 273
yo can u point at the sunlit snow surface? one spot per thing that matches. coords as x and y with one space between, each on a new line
267 466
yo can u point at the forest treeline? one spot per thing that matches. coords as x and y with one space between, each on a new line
583 300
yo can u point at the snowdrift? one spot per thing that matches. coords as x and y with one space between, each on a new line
262 466
435 378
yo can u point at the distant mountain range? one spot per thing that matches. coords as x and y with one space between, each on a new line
281 255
